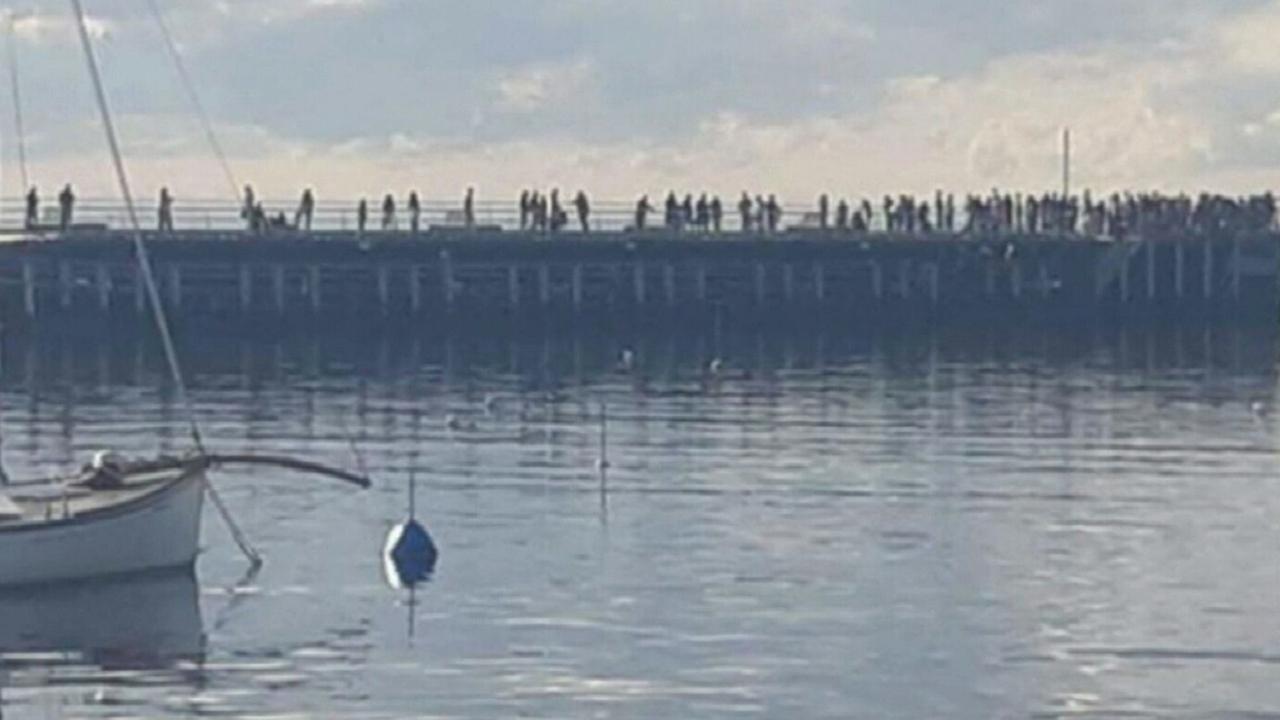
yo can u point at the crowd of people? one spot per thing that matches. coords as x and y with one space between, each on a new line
545 213
998 213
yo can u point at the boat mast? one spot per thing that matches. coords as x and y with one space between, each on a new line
139 247
15 89
148 278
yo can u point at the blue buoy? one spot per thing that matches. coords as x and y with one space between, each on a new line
409 556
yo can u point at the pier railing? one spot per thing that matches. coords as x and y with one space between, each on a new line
336 216
220 215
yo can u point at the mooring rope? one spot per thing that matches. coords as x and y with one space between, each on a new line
194 97
148 277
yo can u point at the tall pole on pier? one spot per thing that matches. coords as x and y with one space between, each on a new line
1066 162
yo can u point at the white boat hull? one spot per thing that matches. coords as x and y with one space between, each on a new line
160 531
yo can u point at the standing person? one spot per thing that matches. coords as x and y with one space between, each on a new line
557 212
362 215
33 208
702 213
306 209
775 213
717 214
259 221
524 209
246 210
584 210
744 211
643 208
415 211
469 209
66 203
824 211
686 212
166 211
388 213
542 214
842 215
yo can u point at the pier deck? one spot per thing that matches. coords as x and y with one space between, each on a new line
339 277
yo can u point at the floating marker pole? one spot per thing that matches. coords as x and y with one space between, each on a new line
603 462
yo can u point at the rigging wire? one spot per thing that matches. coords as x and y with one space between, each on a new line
211 136
194 97
148 276
15 89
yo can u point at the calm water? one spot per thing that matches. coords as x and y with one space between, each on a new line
1019 525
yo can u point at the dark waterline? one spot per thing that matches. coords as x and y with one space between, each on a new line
1005 522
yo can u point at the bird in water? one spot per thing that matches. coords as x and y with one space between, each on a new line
626 360
457 424
715 367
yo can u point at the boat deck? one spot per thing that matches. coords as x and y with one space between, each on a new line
63 500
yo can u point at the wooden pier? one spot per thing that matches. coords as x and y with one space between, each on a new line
349 279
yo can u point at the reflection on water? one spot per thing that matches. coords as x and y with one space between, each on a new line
137 623
143 630
1000 524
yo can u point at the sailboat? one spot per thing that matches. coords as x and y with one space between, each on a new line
120 515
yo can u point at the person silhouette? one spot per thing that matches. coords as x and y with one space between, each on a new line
362 215
306 208
415 211
584 210
643 208
388 212
557 212
33 208
469 209
744 210
165 212
246 210
774 213
66 203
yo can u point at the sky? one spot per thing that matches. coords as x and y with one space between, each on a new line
622 97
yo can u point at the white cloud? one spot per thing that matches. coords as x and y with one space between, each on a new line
1247 41
769 95
41 28
538 86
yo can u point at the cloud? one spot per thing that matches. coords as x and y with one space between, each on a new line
43 28
1247 41
535 87
624 97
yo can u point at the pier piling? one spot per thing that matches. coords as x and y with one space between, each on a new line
87 275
